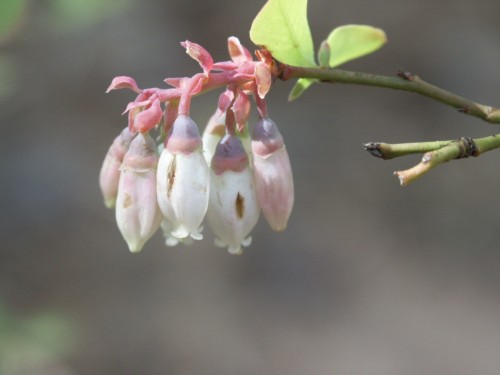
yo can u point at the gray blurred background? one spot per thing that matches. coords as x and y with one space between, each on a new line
369 278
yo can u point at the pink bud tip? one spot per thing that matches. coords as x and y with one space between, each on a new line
266 138
185 136
229 155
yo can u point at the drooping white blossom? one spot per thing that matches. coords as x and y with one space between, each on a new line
183 180
137 213
109 175
233 210
273 174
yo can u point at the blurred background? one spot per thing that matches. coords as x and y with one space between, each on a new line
369 278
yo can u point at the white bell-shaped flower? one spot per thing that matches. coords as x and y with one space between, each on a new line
183 180
171 240
233 210
273 174
137 213
109 176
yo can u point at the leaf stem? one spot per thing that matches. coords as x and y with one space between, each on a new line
404 81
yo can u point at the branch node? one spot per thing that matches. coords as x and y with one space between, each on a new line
427 157
467 148
407 76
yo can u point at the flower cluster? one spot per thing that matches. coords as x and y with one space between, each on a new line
228 175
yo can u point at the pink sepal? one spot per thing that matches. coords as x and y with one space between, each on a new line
195 84
168 94
238 53
263 79
243 77
265 56
241 110
170 114
175 81
200 54
225 100
123 82
225 65
134 105
148 118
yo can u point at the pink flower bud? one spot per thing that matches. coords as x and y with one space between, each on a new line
137 213
183 180
232 210
273 174
110 170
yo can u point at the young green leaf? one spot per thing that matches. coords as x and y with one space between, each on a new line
300 86
282 28
324 53
349 42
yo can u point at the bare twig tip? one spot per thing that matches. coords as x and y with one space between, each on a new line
374 149
401 178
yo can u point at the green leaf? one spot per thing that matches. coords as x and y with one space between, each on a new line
301 85
77 15
11 12
282 28
349 42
